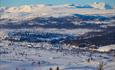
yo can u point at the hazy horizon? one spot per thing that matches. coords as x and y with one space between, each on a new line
8 3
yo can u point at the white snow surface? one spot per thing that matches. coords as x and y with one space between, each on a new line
106 48
20 57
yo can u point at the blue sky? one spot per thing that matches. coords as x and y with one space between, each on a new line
23 2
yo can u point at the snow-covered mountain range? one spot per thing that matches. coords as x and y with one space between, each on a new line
32 11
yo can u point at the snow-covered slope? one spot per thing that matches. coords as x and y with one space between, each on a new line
100 5
106 48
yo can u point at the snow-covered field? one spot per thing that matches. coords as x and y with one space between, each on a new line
17 57
59 22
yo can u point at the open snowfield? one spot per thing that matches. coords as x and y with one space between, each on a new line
16 57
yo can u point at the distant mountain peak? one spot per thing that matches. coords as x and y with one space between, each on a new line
100 5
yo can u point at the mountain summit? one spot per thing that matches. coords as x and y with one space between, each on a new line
100 5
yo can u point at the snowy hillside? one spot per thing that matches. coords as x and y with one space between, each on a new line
69 36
